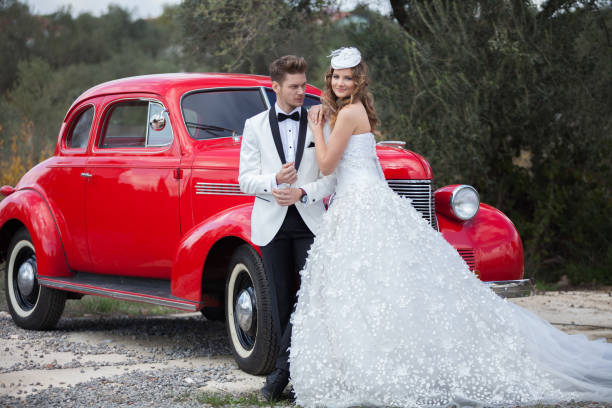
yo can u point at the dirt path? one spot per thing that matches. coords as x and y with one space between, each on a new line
587 312
170 360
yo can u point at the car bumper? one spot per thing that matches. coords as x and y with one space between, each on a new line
512 288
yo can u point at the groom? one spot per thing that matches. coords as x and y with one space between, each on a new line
278 165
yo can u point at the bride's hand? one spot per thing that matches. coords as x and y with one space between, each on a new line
316 117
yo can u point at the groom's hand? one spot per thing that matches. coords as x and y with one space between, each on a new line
287 196
287 174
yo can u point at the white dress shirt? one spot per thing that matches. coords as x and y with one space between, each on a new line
289 130
289 133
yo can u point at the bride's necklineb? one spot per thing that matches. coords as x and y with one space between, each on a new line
361 134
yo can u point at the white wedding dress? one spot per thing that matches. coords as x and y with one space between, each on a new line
388 314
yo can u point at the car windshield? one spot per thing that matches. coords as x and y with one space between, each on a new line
220 113
309 100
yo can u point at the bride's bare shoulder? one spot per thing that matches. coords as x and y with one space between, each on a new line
352 111
356 115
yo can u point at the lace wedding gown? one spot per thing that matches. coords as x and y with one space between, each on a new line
388 314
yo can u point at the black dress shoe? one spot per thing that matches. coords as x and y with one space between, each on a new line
292 396
275 384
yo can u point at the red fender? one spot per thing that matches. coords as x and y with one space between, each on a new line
193 249
498 250
30 208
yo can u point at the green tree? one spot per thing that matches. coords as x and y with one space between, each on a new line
515 101
19 33
245 36
73 55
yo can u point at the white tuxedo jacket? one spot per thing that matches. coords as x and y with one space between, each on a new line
261 157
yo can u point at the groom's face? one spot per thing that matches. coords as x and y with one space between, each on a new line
290 92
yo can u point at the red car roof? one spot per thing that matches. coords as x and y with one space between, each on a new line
161 83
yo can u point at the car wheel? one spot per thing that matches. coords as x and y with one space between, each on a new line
248 310
32 306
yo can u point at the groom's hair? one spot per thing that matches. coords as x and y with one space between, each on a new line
289 64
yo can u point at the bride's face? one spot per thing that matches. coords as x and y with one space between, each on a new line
342 82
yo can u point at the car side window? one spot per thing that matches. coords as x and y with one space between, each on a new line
220 113
128 124
78 135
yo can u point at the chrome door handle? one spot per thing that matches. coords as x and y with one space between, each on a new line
88 175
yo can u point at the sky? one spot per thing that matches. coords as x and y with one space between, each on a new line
153 8
148 8
139 8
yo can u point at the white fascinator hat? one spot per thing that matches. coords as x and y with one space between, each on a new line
345 57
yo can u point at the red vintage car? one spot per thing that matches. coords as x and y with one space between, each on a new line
141 202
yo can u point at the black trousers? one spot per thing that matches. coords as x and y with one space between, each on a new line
283 258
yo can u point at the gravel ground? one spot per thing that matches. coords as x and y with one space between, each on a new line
158 362
180 360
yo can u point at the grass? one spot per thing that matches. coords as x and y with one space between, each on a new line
246 400
542 286
252 400
100 306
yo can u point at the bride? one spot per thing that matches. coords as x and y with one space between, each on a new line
388 314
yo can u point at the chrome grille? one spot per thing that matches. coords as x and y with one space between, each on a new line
419 191
468 256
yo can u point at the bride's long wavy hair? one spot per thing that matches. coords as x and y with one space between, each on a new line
361 93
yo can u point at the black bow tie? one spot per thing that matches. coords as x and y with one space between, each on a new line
294 116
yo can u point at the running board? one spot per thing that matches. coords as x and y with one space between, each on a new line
145 290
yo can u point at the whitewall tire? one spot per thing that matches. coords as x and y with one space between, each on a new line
248 312
32 306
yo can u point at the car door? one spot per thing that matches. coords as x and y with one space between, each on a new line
68 184
133 191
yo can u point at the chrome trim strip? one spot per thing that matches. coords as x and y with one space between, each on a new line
219 189
148 126
217 193
392 143
265 96
512 288
218 184
400 181
118 295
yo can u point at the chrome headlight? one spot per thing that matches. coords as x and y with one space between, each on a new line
465 202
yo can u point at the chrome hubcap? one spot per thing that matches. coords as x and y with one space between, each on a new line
244 309
26 277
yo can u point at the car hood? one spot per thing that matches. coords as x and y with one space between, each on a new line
397 163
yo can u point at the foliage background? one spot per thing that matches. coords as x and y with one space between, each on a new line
500 94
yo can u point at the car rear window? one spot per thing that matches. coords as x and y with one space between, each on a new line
220 113
78 135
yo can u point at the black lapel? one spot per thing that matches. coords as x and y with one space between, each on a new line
301 137
276 134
